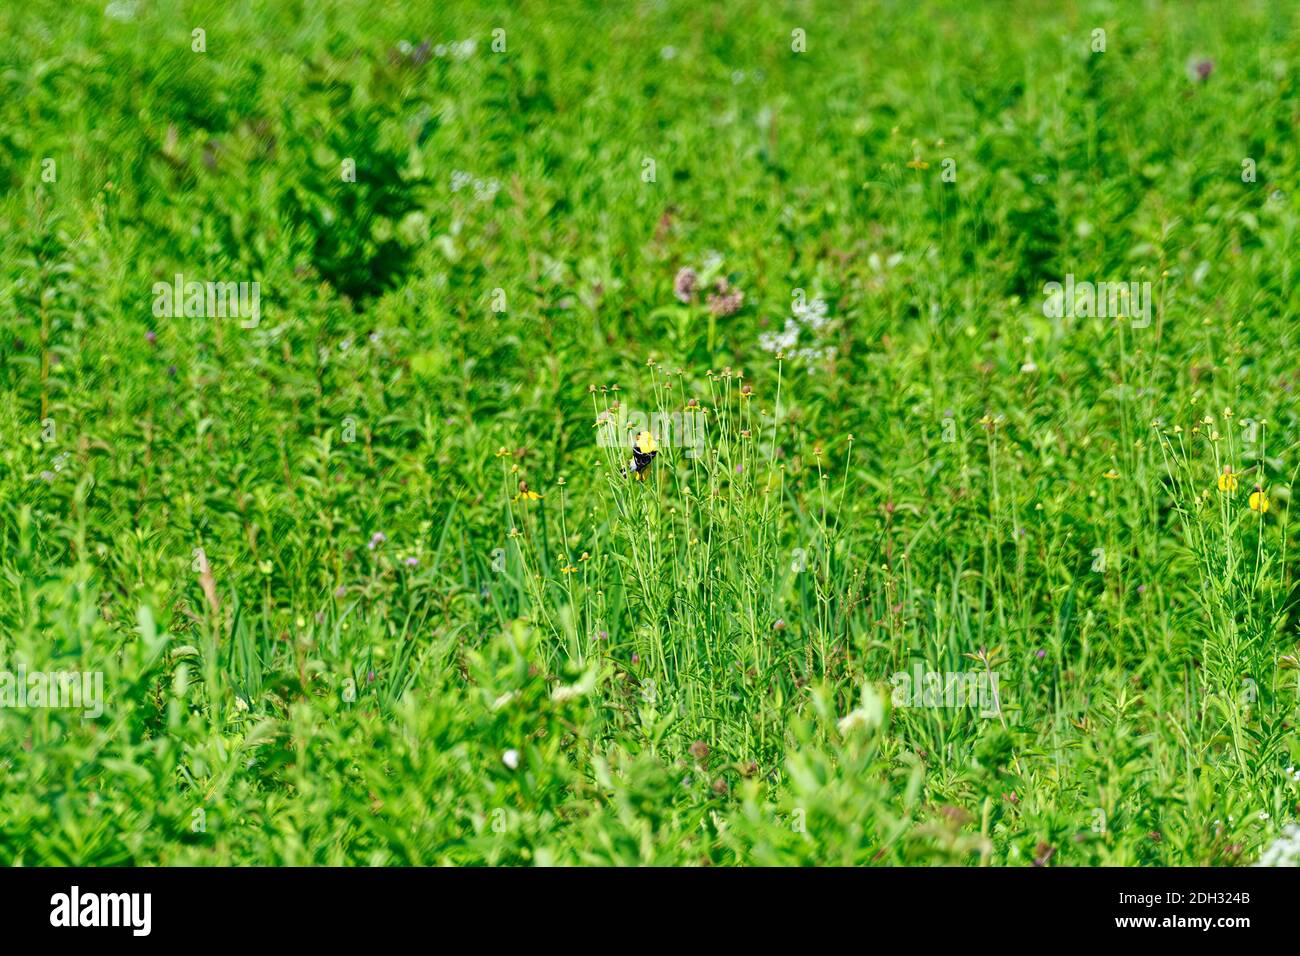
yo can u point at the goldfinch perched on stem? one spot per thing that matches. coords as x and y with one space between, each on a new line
644 450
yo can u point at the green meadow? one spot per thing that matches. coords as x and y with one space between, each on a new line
963 336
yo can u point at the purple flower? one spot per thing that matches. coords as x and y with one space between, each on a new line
412 562
376 540
1040 653
340 591
1199 70
47 476
684 284
171 370
726 300
151 336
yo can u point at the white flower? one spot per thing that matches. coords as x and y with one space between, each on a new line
813 314
810 318
511 759
571 692
1283 851
781 341
869 715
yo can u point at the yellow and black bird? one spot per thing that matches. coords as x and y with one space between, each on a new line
644 450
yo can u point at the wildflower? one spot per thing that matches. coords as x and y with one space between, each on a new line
412 562
151 336
917 163
511 759
1112 474
1259 500
813 314
570 692
376 540
726 300
869 715
1284 850
569 569
1199 70
526 493
684 285
699 750
1227 480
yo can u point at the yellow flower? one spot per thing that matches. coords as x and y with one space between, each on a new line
1112 474
1227 480
526 493
568 569
917 163
1258 500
